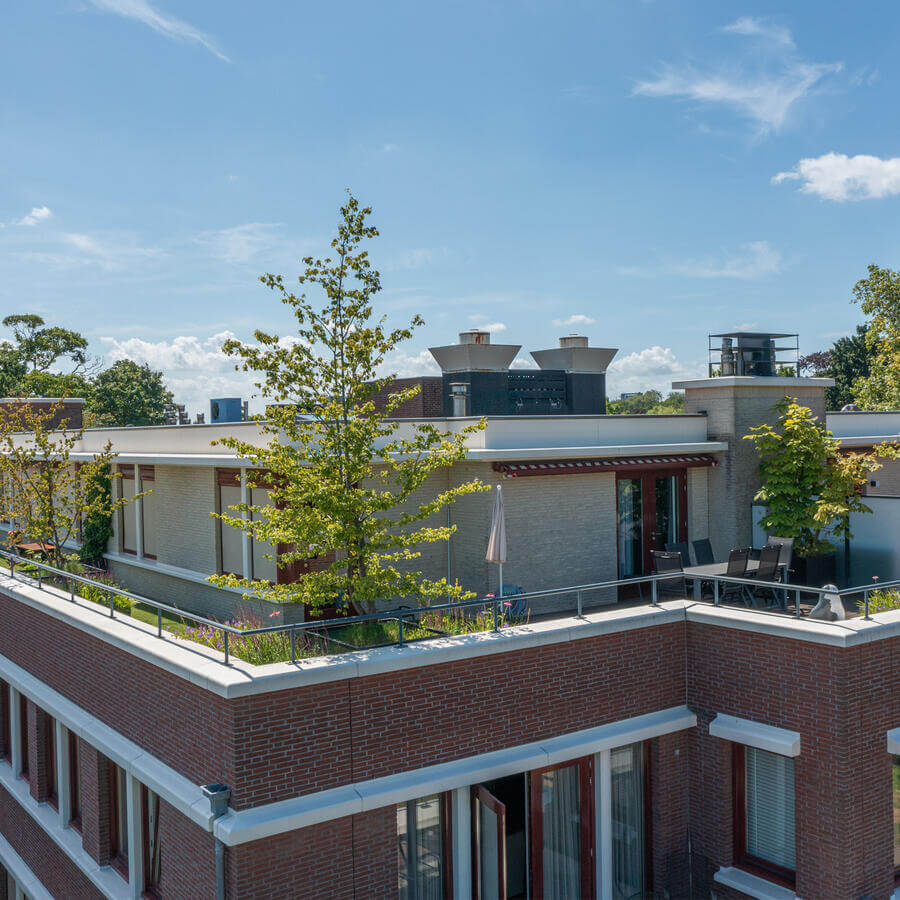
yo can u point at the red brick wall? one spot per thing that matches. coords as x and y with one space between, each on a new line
187 857
427 404
95 804
669 813
57 872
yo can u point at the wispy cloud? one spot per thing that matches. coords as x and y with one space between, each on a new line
480 320
838 177
241 243
576 319
37 215
754 260
749 26
763 88
169 26
108 251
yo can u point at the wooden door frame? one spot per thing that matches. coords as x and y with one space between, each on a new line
586 815
480 794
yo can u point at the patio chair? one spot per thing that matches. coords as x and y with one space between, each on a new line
703 552
768 571
737 568
682 548
785 555
518 606
663 563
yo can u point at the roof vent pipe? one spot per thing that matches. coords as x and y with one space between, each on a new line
475 336
573 340
459 396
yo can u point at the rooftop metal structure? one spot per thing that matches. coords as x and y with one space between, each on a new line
753 353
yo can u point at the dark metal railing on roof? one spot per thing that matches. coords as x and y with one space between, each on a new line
404 617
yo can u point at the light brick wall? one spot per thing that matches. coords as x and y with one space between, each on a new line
888 478
731 411
185 497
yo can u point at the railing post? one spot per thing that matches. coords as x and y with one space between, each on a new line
293 646
580 606
400 630
715 592
225 643
72 589
866 598
797 604
654 592
40 578
496 615
159 622
112 605
12 568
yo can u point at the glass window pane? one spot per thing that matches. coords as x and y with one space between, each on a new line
148 517
896 781
129 523
561 820
630 527
666 510
489 853
420 849
627 789
263 569
770 807
122 817
232 552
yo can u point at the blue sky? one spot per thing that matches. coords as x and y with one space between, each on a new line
644 172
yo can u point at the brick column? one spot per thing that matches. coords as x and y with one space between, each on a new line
38 724
669 778
95 800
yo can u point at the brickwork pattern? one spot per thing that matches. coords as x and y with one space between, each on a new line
59 875
95 804
187 856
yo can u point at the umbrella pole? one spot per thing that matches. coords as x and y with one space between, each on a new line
500 592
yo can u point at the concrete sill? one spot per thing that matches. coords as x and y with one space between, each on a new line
752 885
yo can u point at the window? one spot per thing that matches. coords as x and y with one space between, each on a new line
50 760
764 813
147 475
74 751
127 521
152 856
231 540
423 858
118 818
5 723
23 735
630 820
263 569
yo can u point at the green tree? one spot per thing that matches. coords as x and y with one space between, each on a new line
649 402
809 487
848 359
347 484
879 298
47 494
128 394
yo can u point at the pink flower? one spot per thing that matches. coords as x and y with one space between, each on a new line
507 602
276 613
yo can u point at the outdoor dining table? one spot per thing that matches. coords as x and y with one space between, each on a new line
698 573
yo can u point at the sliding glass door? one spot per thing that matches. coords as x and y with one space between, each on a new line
629 825
489 822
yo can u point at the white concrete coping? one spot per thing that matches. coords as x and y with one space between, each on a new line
756 734
238 827
893 741
162 779
753 381
109 883
21 872
752 885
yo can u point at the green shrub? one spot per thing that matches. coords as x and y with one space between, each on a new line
884 600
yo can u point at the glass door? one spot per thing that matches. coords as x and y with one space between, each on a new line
629 825
489 826
630 518
562 842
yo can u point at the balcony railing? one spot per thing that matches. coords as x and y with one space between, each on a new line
498 612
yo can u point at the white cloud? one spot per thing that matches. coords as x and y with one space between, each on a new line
576 319
479 320
37 215
836 176
169 26
523 362
763 89
409 365
109 251
241 243
749 26
654 368
755 260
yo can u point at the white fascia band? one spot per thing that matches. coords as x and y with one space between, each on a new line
756 734
322 806
160 778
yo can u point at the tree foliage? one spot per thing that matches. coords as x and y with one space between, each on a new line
347 485
47 494
848 360
646 403
809 487
128 394
878 295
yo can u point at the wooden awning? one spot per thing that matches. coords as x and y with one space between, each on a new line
613 464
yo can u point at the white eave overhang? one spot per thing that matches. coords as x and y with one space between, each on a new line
172 459
872 440
597 452
756 734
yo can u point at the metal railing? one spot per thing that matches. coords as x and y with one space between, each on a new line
404 617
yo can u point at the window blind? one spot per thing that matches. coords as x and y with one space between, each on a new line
770 807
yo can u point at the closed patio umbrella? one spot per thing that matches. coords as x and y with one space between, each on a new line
496 549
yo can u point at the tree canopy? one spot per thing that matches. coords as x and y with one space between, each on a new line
848 360
349 489
648 402
128 394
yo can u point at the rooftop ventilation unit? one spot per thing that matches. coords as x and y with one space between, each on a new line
475 353
753 353
574 355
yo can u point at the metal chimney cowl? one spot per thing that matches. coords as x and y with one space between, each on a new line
574 355
475 353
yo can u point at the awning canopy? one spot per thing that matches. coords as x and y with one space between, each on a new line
613 464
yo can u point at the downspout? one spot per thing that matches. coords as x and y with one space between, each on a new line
218 796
